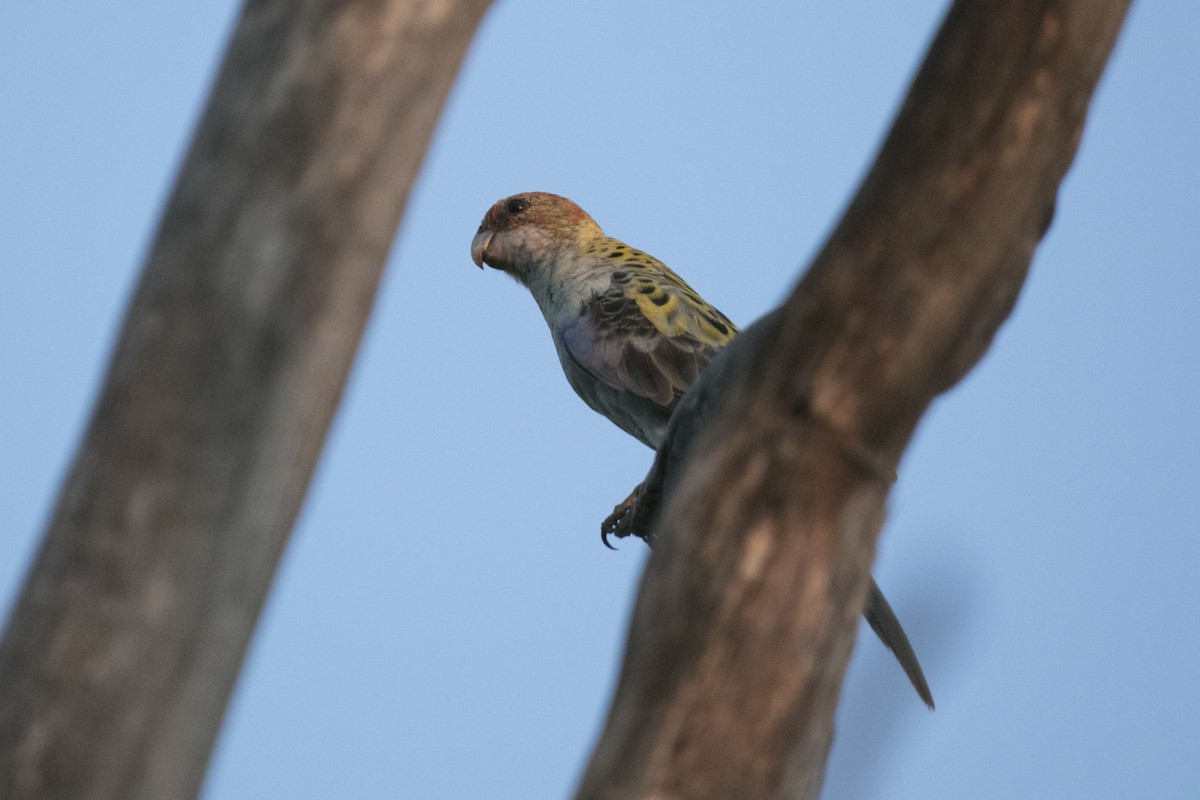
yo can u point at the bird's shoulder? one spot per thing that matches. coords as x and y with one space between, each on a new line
644 331
645 296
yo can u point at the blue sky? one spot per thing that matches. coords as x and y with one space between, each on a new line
445 623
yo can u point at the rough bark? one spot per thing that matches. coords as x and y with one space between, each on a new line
125 643
767 500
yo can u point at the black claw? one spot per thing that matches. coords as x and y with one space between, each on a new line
604 532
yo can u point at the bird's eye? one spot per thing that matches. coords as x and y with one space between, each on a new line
517 205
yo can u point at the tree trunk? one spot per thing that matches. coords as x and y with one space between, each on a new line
772 485
125 643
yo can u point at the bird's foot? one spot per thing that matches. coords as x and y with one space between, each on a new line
621 522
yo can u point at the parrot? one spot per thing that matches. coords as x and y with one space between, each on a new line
630 334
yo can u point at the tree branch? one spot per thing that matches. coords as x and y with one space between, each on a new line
126 641
778 464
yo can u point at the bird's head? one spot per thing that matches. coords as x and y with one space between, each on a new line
528 231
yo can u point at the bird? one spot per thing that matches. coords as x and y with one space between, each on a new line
631 335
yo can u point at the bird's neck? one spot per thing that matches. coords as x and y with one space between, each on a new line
561 292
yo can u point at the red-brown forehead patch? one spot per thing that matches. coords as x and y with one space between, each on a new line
492 217
543 208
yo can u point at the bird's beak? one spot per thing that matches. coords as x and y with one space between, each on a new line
479 246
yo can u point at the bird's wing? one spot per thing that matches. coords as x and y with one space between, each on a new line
648 333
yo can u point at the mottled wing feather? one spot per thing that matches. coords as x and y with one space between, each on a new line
649 334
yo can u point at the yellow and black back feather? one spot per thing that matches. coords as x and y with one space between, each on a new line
648 333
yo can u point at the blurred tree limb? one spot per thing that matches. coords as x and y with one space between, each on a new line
120 655
767 499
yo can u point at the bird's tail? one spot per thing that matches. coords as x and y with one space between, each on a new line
883 621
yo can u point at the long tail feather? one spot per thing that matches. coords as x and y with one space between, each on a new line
883 621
